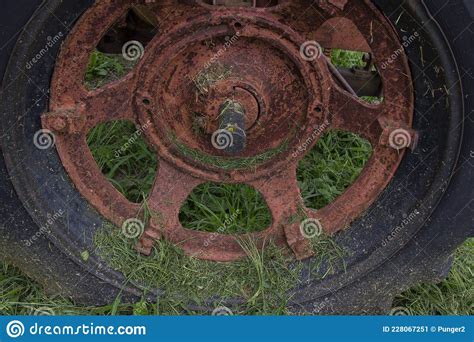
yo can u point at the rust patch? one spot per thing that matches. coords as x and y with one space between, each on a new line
341 33
290 99
341 4
332 6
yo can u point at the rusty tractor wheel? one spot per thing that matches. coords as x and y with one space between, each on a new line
272 88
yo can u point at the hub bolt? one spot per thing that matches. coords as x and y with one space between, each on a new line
231 136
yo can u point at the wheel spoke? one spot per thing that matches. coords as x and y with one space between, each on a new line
272 60
283 197
169 191
340 33
72 105
327 27
349 113
69 72
358 198
110 103
80 164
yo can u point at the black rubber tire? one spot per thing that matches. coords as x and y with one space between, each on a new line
430 182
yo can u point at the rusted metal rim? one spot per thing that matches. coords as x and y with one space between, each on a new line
285 84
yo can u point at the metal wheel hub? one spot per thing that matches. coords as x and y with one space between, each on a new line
265 61
257 64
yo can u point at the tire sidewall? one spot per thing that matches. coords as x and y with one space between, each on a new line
45 189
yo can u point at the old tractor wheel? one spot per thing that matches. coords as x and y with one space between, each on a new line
259 76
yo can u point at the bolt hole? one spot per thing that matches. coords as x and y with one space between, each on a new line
318 109
146 101
238 26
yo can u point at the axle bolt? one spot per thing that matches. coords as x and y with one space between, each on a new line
231 136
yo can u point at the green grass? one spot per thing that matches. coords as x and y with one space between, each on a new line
347 59
210 204
124 158
228 163
104 69
353 59
264 279
455 296
332 166
19 295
